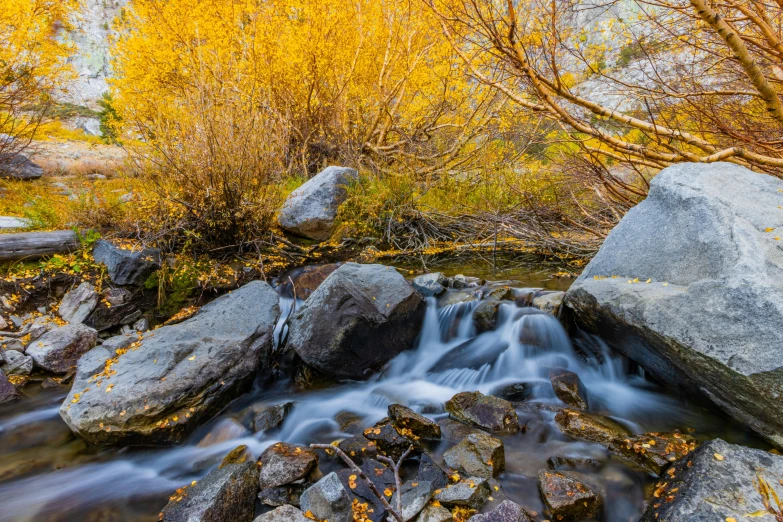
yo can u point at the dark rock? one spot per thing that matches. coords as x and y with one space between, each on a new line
283 514
507 511
169 382
8 391
306 280
328 499
78 304
471 492
718 481
518 391
126 267
361 495
484 411
289 494
591 427
19 166
485 316
430 285
567 498
311 209
654 451
429 471
566 463
224 494
118 306
388 440
359 448
413 425
271 417
59 350
501 293
568 388
478 455
284 463
349 422
361 317
460 281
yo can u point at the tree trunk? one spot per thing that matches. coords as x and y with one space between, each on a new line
33 245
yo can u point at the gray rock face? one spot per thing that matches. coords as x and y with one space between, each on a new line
430 285
472 492
126 267
284 463
163 385
718 481
228 493
507 511
479 455
19 166
357 320
78 304
59 350
311 209
327 499
415 496
435 514
550 302
272 417
711 318
8 392
283 514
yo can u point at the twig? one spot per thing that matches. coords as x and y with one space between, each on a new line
351 464
396 469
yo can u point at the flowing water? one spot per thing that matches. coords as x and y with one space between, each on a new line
47 475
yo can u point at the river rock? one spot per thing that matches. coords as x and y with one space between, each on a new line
8 391
567 498
432 513
238 455
388 440
415 495
16 363
710 320
430 471
549 302
365 502
283 514
164 385
478 455
271 417
460 281
59 350
430 285
485 316
359 448
591 427
506 511
361 317
718 481
484 411
311 209
306 280
224 494
327 499
282 495
654 451
284 463
78 304
568 388
471 492
413 425
19 166
126 267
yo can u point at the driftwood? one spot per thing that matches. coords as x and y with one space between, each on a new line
33 245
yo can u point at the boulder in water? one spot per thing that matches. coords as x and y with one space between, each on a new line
411 424
161 387
485 316
284 463
59 350
126 267
507 511
228 493
567 498
361 317
484 411
478 455
471 492
271 417
388 440
430 285
362 498
591 427
568 388
328 499
549 302
689 284
311 209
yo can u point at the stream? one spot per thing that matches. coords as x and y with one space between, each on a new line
46 474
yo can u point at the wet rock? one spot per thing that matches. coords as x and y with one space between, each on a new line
460 281
282 495
453 298
567 498
224 430
411 424
361 317
501 293
142 325
429 471
16 363
478 455
471 492
306 280
718 481
19 166
284 463
359 448
362 498
591 427
518 391
485 316
507 511
484 411
654 451
59 350
8 391
78 304
415 495
117 306
349 422
271 417
327 499
283 514
388 440
568 388
238 455
711 319
311 209
126 267
549 302
432 513
566 463
177 376
430 285
224 494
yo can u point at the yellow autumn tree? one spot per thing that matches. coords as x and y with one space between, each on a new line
33 65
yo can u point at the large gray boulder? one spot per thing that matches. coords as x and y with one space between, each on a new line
59 350
357 320
311 209
718 481
126 267
19 166
690 285
159 388
328 499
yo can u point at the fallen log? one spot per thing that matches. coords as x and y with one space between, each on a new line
34 245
